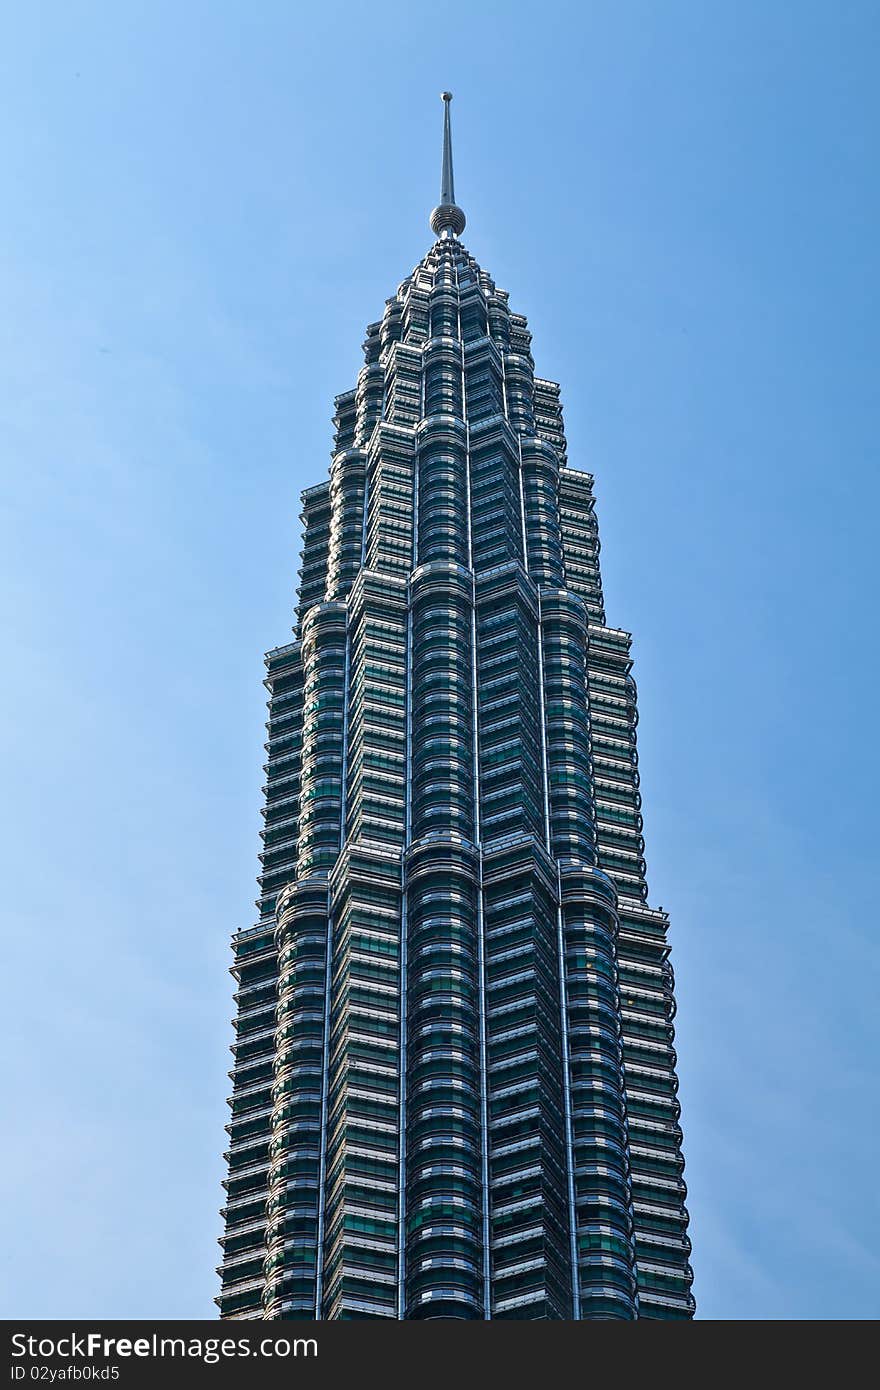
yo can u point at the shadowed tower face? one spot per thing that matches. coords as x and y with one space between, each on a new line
454 1088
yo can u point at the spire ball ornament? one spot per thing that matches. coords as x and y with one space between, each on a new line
447 219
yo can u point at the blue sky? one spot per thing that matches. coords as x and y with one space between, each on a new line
204 205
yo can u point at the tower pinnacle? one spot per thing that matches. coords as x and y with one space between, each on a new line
447 218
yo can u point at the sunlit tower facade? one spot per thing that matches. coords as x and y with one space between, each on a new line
454 1088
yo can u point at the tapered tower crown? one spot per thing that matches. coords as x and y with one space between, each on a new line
447 217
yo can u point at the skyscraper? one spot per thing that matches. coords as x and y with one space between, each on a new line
454 1089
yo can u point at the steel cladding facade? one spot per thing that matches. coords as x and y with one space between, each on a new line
454 1089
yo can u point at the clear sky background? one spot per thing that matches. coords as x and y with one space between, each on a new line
203 206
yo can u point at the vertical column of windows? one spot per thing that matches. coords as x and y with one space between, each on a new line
302 934
403 385
285 1082
520 369
418 313
564 646
442 371
392 325
599 1138
377 711
540 484
473 314
498 314
442 766
292 1209
358 1234
646 997
580 537
361 1161
496 518
509 721
539 469
442 784
344 421
543 549
347 484
283 768
658 1187
315 517
442 523
464 277
444 297
444 1239
243 1242
370 387
324 697
606 1276
484 377
531 1242
548 417
615 764
531 1273
645 1002
255 970
444 1236
388 545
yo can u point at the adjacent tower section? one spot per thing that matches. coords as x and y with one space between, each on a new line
454 1089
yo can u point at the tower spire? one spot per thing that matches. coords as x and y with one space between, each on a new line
447 218
447 181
